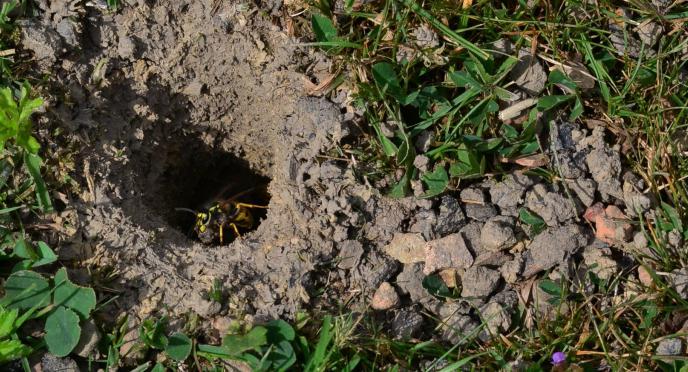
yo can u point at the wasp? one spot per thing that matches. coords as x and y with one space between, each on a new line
212 221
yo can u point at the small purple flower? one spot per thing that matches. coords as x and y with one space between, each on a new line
558 358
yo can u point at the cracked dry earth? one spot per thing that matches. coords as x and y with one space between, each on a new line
175 99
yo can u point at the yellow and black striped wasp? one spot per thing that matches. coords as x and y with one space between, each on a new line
212 221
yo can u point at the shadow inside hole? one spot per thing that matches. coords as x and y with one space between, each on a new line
197 176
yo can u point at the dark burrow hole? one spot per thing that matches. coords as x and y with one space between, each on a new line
196 176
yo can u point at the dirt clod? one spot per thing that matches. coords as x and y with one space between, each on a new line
679 282
406 248
508 194
450 218
447 252
350 253
479 282
553 207
552 247
528 74
455 324
600 262
406 323
498 233
604 164
51 363
44 41
672 346
496 319
410 281
90 336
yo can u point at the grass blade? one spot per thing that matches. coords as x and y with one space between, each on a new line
33 165
318 357
411 4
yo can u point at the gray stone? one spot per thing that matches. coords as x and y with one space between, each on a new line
498 233
650 32
424 141
480 212
456 326
388 128
375 269
490 258
674 239
90 336
473 195
410 282
471 236
495 319
640 241
406 323
623 41
553 247
424 222
679 282
503 47
626 45
385 297
447 252
508 298
68 31
511 270
671 346
450 218
479 282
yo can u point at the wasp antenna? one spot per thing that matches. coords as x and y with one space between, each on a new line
186 210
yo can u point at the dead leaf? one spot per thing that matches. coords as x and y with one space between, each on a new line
577 71
525 292
320 89
530 161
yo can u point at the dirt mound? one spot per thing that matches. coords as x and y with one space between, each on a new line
178 102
